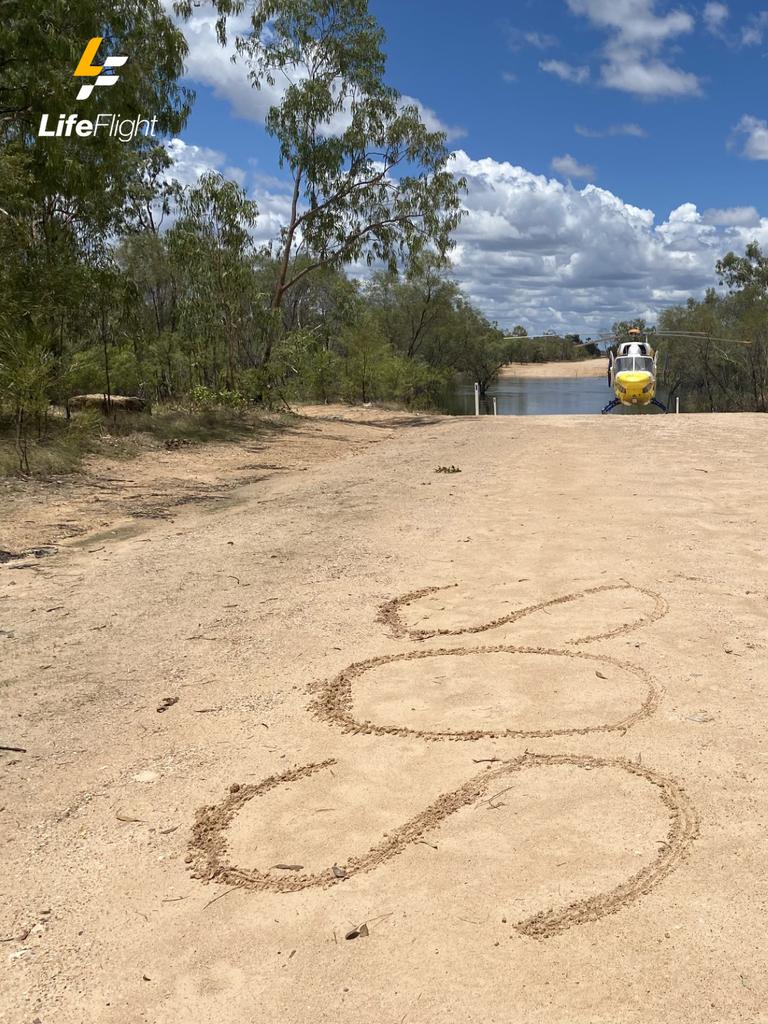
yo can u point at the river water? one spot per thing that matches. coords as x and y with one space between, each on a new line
529 396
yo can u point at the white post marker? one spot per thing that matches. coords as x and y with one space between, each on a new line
477 399
495 411
677 404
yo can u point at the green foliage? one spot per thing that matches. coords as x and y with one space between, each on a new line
367 362
62 202
622 328
86 375
57 448
202 397
749 271
417 385
713 374
322 374
369 179
27 370
212 256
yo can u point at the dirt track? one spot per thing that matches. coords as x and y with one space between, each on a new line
546 785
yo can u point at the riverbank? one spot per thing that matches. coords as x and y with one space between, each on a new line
235 798
570 369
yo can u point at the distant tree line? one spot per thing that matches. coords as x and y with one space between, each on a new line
549 347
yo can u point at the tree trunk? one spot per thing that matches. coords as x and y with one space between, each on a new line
285 262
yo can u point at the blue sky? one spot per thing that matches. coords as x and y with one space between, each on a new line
614 148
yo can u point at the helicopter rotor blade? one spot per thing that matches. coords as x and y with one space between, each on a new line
699 336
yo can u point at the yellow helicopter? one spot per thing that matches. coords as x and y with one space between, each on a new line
632 372
632 367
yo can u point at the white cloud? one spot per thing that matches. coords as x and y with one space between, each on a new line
634 21
611 131
509 76
190 162
568 72
211 64
715 17
756 141
753 33
635 28
569 167
741 216
540 40
517 39
650 80
431 119
535 250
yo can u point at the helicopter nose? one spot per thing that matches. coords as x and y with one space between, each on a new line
635 386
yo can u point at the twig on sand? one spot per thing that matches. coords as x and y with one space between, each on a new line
220 896
237 581
16 750
491 804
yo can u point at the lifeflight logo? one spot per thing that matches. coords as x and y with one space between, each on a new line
87 69
67 125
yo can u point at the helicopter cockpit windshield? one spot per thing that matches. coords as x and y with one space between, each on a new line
634 364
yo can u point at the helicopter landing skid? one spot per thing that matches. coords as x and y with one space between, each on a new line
611 405
614 402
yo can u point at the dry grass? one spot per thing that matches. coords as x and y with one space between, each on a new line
59 446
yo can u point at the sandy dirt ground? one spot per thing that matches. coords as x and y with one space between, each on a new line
112 491
506 728
588 368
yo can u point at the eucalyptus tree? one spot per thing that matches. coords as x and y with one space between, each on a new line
369 179
64 199
323 303
749 271
746 313
418 310
214 256
477 347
